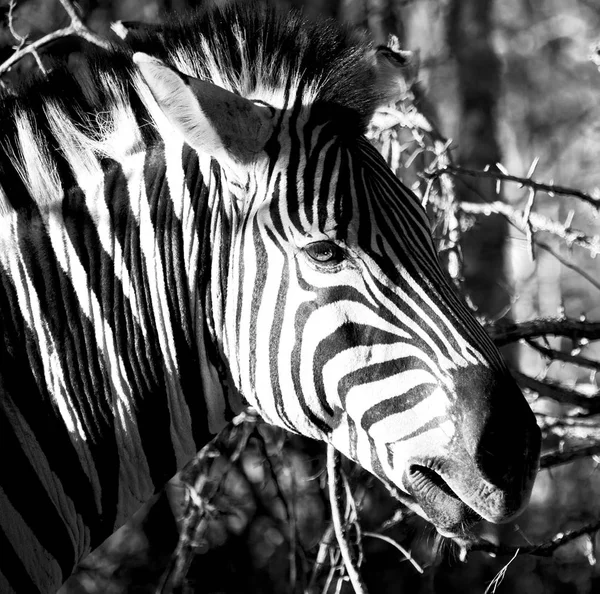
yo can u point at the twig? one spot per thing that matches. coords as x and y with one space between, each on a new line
351 516
411 115
557 458
196 477
499 577
404 499
591 404
574 267
417 119
333 463
20 38
81 29
541 550
564 357
529 230
75 28
397 545
550 189
580 429
11 25
536 221
504 333
323 550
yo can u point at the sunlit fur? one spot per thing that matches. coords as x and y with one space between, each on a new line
146 286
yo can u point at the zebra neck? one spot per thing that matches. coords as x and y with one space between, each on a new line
109 376
174 196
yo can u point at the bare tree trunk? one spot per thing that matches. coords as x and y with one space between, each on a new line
478 71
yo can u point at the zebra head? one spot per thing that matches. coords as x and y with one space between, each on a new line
328 303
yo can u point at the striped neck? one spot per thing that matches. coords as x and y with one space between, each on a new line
110 279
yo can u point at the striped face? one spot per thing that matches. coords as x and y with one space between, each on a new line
332 313
341 326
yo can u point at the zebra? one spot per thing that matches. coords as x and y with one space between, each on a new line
196 222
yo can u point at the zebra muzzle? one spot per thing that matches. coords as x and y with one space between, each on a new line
442 506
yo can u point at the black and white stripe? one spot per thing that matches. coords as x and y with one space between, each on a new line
156 268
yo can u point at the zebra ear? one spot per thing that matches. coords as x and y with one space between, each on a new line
396 70
211 119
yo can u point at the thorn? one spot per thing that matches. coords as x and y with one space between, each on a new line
569 219
502 168
532 167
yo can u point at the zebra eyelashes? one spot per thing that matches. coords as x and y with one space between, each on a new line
325 254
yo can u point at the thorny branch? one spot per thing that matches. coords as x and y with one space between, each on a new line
545 549
558 393
576 429
578 331
412 113
554 355
21 39
536 222
75 28
201 491
550 459
551 189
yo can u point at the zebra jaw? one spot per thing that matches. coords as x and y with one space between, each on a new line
453 486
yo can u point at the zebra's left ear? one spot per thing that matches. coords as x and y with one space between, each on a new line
211 119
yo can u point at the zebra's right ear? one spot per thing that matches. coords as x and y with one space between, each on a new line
396 70
211 119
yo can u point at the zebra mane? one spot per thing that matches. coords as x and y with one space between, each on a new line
261 53
58 128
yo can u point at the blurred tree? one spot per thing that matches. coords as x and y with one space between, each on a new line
469 27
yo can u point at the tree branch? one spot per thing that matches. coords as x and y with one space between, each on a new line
591 404
534 222
333 470
554 355
559 457
545 549
551 189
75 28
412 114
582 273
200 490
504 333
570 428
398 546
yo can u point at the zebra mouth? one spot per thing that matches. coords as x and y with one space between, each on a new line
451 516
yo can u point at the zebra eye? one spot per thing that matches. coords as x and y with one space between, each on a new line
325 252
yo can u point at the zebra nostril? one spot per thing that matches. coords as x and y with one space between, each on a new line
513 461
498 429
